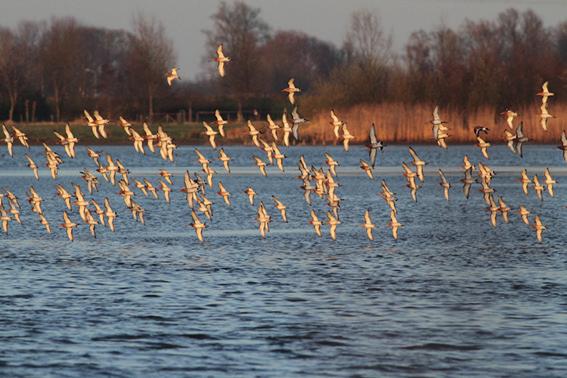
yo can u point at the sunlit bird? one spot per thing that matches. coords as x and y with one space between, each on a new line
263 220
367 169
347 137
99 212
172 75
166 191
444 184
331 163
9 140
336 123
368 225
504 209
68 141
225 159
467 163
150 137
166 175
220 122
538 188
101 123
91 222
68 225
483 145
261 165
544 116
494 209
440 131
33 166
510 115
394 224
549 181
126 126
287 129
333 222
436 118
20 136
526 181
92 124
291 90
268 149
273 127
280 207
250 193
209 132
95 156
278 156
197 225
316 223
221 60
524 213
418 162
539 227
64 195
225 194
545 93
253 132
5 219
43 221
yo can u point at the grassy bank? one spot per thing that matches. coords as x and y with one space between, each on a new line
396 123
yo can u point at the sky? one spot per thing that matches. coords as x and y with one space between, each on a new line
328 20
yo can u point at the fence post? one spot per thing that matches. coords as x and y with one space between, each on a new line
239 116
27 110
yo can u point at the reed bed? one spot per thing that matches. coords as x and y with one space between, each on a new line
402 123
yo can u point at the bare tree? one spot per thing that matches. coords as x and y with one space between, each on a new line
61 59
150 56
366 75
298 55
239 28
419 66
17 58
366 39
104 79
560 37
9 72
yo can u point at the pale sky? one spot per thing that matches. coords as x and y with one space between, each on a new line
326 19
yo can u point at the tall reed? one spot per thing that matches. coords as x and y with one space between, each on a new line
403 123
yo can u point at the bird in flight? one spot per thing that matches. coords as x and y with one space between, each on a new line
172 75
221 60
291 90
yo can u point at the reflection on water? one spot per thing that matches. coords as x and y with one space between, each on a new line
452 297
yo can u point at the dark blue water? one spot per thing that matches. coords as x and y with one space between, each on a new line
452 297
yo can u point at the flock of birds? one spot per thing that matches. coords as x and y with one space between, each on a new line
321 182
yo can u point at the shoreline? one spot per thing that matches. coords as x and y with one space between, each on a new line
237 135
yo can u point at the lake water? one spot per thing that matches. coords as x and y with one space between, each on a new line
452 297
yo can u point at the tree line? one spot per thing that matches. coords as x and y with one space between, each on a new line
52 70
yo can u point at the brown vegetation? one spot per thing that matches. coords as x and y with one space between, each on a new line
51 71
403 123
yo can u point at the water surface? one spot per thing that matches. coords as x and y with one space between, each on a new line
451 297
